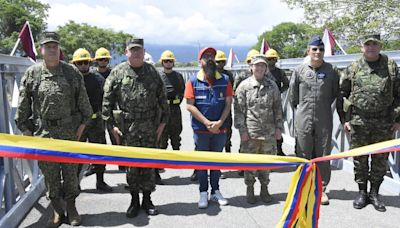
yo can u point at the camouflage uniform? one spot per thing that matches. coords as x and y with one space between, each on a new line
375 105
175 87
142 101
258 111
313 92
52 104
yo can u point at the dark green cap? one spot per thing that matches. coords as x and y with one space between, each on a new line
134 42
48 37
370 37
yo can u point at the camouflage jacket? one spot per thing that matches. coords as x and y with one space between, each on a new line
52 97
280 78
258 108
141 97
371 92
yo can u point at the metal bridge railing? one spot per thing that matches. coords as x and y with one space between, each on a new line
21 183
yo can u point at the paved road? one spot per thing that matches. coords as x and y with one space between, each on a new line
177 201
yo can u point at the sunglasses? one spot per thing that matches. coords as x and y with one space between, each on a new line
82 63
321 49
271 59
103 59
222 61
168 61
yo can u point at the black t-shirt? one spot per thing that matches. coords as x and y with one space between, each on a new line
94 83
105 73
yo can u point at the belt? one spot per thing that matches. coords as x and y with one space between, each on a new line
381 114
145 115
56 122
174 101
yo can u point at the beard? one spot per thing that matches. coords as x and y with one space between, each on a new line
210 68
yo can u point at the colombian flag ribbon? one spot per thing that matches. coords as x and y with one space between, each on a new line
302 204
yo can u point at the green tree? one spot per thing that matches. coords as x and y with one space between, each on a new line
288 39
349 20
13 14
74 36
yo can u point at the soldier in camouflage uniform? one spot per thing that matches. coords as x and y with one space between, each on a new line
53 103
259 118
175 86
370 87
314 88
238 79
136 88
94 131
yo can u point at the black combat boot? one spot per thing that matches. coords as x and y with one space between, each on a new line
147 205
101 185
134 208
158 177
279 143
362 199
375 199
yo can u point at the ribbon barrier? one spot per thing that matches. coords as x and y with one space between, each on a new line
302 204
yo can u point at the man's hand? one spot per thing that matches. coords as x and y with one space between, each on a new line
79 132
347 126
395 127
244 137
278 134
117 134
160 130
214 126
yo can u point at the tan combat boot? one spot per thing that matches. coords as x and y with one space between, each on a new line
264 194
58 214
73 216
251 199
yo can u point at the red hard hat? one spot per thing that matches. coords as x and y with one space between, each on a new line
207 49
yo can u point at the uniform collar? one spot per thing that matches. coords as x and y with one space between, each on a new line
56 71
201 75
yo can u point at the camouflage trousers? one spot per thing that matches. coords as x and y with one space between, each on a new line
257 146
141 179
95 133
173 129
60 178
365 135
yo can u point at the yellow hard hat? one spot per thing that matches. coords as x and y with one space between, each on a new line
81 54
220 56
271 53
250 54
102 53
167 55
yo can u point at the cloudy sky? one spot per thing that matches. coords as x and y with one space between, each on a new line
212 22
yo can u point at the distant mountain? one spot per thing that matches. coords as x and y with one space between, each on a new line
185 53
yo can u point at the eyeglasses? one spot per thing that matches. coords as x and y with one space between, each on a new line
271 59
103 59
321 49
80 63
168 61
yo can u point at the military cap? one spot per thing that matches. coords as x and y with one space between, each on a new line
259 59
48 37
315 41
134 42
207 49
370 37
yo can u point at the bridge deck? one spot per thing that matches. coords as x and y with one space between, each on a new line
177 201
